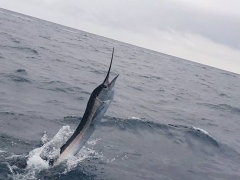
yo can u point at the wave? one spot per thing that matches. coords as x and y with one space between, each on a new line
46 37
21 17
21 48
59 86
229 74
138 125
151 77
222 107
67 30
11 38
224 95
197 139
18 78
135 124
23 71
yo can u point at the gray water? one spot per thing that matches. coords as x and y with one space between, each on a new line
171 119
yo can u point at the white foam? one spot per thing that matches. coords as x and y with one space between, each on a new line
202 130
136 118
13 156
70 31
44 139
93 142
73 161
2 151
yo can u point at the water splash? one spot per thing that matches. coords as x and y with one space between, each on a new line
93 142
51 149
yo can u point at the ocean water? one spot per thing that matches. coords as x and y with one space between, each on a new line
171 119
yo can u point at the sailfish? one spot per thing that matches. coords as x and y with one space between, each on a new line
97 106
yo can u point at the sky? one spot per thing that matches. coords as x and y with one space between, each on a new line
203 31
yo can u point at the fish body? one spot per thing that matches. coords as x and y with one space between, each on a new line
97 105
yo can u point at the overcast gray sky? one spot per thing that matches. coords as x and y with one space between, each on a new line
204 31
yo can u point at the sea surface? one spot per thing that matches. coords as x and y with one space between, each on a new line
171 119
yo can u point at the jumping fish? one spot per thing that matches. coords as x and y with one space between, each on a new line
97 105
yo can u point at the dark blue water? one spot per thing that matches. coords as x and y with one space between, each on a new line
171 119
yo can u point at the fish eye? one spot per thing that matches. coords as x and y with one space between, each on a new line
104 86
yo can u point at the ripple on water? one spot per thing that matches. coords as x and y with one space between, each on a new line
21 49
19 79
